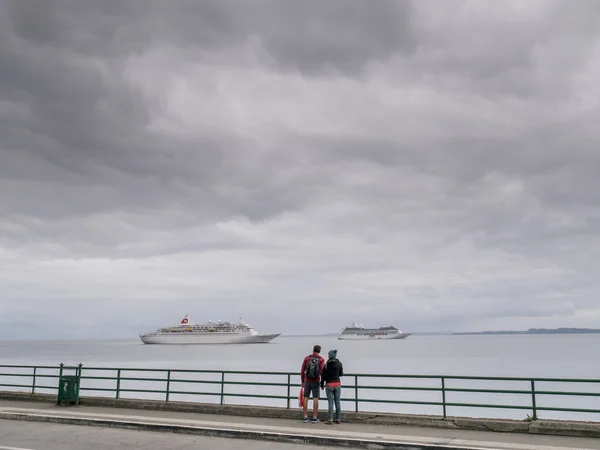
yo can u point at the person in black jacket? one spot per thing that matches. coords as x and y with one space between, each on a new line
330 377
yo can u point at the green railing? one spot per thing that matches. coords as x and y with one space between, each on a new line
442 391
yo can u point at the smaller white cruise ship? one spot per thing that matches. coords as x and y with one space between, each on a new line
207 333
358 332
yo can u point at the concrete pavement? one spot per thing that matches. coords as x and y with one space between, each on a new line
49 436
288 431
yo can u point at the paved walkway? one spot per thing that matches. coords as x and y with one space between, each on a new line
52 436
283 430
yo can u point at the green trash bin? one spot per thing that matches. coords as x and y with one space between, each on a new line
68 390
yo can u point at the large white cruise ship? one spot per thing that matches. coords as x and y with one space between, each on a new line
207 333
358 332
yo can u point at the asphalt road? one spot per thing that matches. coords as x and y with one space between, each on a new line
17 435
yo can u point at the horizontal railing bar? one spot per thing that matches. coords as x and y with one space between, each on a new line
149 391
489 391
231 372
27 375
390 375
478 405
15 366
397 388
439 389
161 380
88 377
565 380
16 375
156 380
177 380
579 410
437 377
216 394
237 372
576 394
400 402
164 380
484 378
128 369
28 386
479 378
253 383
98 389
280 397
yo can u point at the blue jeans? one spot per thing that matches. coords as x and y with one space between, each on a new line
333 396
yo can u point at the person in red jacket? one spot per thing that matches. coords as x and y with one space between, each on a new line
310 375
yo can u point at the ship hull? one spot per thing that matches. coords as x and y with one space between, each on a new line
209 338
367 337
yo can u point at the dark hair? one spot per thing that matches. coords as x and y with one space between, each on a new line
317 349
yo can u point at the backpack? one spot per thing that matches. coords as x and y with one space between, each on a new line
313 368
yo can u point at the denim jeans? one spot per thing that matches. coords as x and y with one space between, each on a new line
333 396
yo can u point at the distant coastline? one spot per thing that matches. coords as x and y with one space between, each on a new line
479 333
535 331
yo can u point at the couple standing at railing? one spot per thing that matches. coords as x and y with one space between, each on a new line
315 373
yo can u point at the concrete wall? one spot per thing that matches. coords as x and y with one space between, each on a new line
558 428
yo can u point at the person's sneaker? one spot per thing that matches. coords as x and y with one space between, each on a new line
314 420
329 422
305 420
338 421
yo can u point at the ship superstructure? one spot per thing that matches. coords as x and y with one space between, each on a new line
207 333
358 332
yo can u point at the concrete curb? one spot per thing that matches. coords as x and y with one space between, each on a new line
233 433
556 428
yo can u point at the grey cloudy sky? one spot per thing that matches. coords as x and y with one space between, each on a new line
433 164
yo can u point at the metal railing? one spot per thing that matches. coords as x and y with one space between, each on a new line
438 392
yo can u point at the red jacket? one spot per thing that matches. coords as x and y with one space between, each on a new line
305 362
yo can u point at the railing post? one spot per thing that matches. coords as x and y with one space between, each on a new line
533 403
79 368
356 393
60 374
222 387
118 383
289 387
444 396
168 384
33 383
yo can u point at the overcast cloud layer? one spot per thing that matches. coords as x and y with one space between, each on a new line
431 164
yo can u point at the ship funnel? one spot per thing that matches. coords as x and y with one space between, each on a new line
185 320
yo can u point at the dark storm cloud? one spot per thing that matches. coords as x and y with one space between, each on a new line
309 36
434 162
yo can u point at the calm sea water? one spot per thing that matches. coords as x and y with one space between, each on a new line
562 356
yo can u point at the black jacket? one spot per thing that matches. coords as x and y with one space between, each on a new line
332 371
